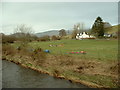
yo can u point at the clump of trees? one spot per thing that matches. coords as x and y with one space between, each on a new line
62 33
8 39
48 38
22 33
98 27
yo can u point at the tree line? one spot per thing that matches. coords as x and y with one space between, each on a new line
97 29
25 33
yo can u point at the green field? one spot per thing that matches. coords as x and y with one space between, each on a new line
98 66
105 50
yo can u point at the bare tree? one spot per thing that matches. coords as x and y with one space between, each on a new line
23 29
24 32
79 27
75 31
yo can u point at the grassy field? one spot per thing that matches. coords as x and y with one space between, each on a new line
98 66
104 50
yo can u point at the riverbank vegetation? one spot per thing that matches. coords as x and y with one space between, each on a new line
92 62
97 68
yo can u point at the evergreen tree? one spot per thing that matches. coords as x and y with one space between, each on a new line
98 27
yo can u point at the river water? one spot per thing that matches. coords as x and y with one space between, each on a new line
15 76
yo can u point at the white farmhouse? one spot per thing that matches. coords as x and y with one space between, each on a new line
83 35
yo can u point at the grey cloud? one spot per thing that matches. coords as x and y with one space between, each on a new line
57 15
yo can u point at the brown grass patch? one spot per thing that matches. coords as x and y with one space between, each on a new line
91 67
8 50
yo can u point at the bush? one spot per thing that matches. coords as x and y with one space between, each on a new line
8 49
55 37
38 56
44 38
8 39
25 37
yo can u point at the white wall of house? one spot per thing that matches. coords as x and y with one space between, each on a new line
83 36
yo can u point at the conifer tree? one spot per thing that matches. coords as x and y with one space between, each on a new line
98 27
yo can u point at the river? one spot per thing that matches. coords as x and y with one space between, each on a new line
15 76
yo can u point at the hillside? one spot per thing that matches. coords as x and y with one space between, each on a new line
112 29
50 33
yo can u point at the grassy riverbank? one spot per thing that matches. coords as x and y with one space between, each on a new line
97 68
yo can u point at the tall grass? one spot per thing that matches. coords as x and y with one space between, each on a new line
24 50
8 49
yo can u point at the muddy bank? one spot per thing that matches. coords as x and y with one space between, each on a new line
54 74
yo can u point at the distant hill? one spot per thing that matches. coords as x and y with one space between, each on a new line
51 33
112 29
107 24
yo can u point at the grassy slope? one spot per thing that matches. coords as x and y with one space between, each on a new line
112 29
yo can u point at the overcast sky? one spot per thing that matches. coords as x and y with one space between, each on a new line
44 16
